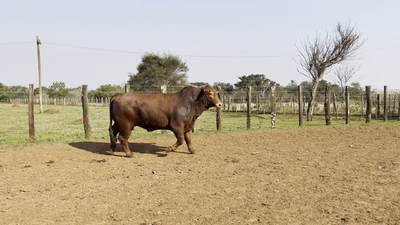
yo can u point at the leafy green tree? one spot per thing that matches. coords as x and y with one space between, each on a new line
106 91
356 90
4 92
199 84
44 92
58 90
226 87
18 91
258 81
156 70
291 88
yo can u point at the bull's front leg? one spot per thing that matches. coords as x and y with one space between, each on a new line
188 141
179 141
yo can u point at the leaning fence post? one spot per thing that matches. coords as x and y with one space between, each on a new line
300 95
369 104
85 108
248 107
31 109
127 88
273 107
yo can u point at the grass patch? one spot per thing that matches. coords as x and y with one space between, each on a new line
66 126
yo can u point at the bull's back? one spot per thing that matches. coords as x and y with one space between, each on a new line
149 111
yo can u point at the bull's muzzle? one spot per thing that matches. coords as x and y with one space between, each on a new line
218 105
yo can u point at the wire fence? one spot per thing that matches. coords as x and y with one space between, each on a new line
235 100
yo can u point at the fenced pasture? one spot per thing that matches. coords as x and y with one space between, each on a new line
257 104
313 174
64 124
236 100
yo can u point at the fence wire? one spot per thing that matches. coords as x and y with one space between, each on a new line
287 101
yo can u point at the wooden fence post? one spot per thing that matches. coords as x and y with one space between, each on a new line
85 108
347 104
127 88
219 110
385 113
335 109
300 95
327 105
31 110
369 104
273 107
248 107
378 106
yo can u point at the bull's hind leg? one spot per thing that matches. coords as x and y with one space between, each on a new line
123 138
188 141
113 140
179 141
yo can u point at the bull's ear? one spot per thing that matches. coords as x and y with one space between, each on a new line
201 93
207 91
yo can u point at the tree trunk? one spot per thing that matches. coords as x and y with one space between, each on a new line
310 109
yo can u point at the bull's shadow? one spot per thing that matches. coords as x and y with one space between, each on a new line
104 148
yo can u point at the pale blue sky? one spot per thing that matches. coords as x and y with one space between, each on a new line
197 28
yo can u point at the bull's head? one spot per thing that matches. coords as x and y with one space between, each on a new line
212 97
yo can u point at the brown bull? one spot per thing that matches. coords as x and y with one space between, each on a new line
175 112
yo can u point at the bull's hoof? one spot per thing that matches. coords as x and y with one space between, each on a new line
192 151
170 149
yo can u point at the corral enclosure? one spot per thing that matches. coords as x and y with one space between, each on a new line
236 100
314 174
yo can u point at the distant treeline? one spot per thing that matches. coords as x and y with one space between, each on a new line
236 91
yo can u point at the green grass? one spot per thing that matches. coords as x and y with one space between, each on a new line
60 127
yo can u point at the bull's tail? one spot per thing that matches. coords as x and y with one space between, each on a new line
110 130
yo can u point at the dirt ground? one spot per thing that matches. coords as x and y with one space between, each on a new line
344 175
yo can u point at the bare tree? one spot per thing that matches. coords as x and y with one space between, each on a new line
317 56
342 76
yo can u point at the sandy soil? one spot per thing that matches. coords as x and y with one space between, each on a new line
344 175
